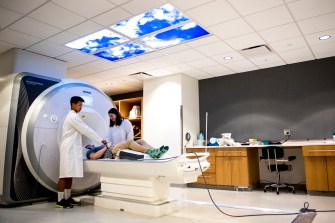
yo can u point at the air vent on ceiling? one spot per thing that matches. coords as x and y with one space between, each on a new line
256 51
141 76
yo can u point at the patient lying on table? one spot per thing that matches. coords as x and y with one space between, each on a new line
101 152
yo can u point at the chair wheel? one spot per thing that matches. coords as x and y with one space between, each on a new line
264 190
293 191
277 192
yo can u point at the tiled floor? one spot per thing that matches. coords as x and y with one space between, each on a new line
195 207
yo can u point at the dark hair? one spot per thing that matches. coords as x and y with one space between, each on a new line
76 99
118 119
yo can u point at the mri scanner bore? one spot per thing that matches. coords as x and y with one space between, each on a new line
36 108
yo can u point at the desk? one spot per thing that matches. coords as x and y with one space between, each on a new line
239 165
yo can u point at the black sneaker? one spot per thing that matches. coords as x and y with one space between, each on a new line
63 204
71 201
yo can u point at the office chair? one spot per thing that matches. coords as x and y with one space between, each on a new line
276 162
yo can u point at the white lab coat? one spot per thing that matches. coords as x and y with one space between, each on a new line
118 134
71 158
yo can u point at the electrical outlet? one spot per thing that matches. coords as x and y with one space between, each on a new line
287 132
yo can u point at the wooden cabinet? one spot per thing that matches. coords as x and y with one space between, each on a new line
230 166
234 167
125 106
319 167
209 174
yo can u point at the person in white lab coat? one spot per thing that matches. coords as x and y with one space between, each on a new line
71 159
121 136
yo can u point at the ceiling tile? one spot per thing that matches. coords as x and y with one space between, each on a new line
56 16
313 39
78 57
220 11
187 55
317 24
21 6
138 6
230 29
311 8
195 73
324 50
201 63
49 49
17 38
217 70
280 32
185 5
296 56
159 72
128 61
7 17
289 44
5 46
246 69
62 38
103 64
174 49
270 18
35 28
238 65
249 7
86 69
85 28
235 57
87 9
142 66
245 41
268 61
163 61
179 68
118 2
214 48
203 41
205 76
150 55
111 17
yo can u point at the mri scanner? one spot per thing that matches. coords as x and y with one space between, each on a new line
33 109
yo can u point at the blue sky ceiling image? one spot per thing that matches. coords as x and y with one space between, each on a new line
132 36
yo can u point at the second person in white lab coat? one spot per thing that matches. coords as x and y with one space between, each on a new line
71 159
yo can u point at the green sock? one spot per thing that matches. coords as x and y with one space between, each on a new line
163 149
154 153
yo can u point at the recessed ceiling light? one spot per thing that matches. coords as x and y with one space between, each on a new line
109 83
228 58
324 37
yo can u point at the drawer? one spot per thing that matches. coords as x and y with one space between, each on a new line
201 150
210 178
318 150
232 152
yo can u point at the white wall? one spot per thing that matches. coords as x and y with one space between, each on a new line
162 99
17 60
190 101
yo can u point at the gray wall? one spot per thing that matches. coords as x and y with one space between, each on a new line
260 104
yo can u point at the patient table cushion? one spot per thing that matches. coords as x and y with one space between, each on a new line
130 155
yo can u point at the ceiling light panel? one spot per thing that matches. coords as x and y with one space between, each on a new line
123 51
97 41
150 21
175 36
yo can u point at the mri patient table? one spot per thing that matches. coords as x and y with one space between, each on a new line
142 186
